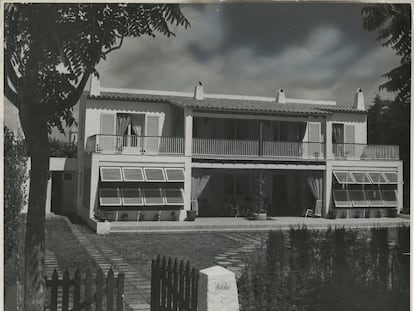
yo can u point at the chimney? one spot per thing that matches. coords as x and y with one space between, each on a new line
95 89
359 100
280 97
199 91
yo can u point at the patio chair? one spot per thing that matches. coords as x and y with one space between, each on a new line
308 213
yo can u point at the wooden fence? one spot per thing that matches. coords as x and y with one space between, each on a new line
173 285
85 293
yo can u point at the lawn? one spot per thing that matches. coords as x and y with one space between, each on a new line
199 248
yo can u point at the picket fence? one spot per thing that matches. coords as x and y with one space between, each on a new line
75 294
174 285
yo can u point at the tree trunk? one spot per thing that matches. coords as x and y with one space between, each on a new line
35 130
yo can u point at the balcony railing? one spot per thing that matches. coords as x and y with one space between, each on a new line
365 152
238 148
135 144
253 148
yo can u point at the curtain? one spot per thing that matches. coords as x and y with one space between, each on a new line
338 139
137 124
199 181
315 182
122 122
301 131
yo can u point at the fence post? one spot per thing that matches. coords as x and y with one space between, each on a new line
120 293
217 290
110 291
181 287
65 291
175 285
99 286
163 282
88 288
54 291
187 291
76 291
169 284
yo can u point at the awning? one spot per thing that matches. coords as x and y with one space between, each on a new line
173 196
344 177
141 174
341 198
153 197
132 197
358 198
361 177
377 178
109 197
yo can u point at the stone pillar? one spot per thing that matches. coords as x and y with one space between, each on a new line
217 290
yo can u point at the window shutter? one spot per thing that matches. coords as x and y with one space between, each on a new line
174 196
152 140
107 124
349 140
109 197
174 174
132 197
154 174
133 174
111 174
153 197
314 134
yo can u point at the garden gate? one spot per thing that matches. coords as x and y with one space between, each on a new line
104 295
174 285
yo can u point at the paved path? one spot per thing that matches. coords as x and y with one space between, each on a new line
137 287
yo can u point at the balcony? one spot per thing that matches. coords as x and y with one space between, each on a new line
224 148
135 144
231 148
365 152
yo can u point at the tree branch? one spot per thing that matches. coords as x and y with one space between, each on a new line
114 48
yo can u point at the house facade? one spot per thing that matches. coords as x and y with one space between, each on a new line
154 155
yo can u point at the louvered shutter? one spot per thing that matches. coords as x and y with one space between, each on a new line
153 197
349 139
106 141
133 174
173 196
174 174
132 197
152 135
314 134
155 174
111 174
109 197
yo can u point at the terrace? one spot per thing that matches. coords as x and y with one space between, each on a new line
236 148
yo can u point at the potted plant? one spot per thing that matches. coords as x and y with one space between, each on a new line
331 214
260 211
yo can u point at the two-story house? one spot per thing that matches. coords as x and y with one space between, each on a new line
153 155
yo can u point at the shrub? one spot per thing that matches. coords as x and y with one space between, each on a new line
62 149
14 192
328 270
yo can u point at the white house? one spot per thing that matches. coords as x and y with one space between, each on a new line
153 155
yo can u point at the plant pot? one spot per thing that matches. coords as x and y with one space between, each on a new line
191 215
392 213
331 214
259 216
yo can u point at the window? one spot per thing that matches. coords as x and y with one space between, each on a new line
153 197
375 198
343 177
361 177
111 174
377 178
341 198
133 174
174 174
109 197
132 197
358 198
154 174
174 196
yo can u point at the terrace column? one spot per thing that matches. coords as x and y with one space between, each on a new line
188 129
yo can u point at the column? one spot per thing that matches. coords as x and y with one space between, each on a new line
328 139
188 131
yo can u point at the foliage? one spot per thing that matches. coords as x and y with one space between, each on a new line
388 123
62 149
14 194
51 49
393 23
260 205
325 270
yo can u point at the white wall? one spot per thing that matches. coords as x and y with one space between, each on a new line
94 109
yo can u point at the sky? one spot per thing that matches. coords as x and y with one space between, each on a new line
313 51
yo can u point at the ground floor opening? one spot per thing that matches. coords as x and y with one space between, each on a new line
286 192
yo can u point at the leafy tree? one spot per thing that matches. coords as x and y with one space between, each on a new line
389 121
62 149
393 23
50 51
